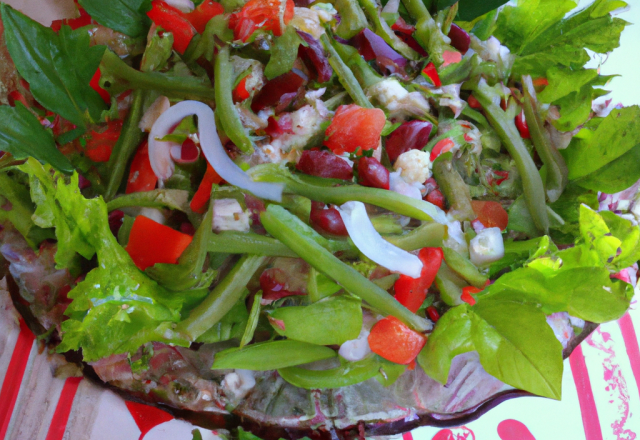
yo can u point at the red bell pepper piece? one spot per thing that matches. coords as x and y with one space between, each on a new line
151 243
521 125
141 175
437 198
260 14
490 214
411 292
474 103
240 93
354 126
201 197
441 147
173 20
83 20
201 15
540 82
431 74
95 85
100 144
394 341
467 292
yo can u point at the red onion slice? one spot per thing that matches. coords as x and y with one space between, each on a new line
160 151
370 243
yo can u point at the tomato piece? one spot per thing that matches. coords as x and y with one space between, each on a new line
95 85
411 292
372 173
354 126
201 15
100 143
394 341
151 243
490 214
173 20
451 57
260 14
141 175
201 197
441 147
521 125
437 198
430 73
240 93
324 164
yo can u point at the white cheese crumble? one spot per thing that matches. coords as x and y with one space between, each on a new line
400 103
229 216
238 384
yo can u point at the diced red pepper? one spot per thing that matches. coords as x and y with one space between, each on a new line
100 144
540 82
173 20
441 147
437 198
151 243
451 57
411 292
394 341
240 93
201 15
15 96
354 126
521 125
474 103
141 175
201 197
502 176
83 20
467 292
490 214
402 26
431 74
260 14
433 313
95 85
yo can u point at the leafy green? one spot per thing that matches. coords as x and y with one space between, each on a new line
43 58
126 16
231 326
283 53
603 156
352 17
514 341
469 10
22 135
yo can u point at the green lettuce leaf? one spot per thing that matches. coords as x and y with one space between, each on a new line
605 155
126 16
58 67
22 135
283 53
513 340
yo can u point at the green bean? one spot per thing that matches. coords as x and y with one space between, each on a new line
426 235
352 20
118 76
266 356
362 71
226 110
158 198
453 187
427 33
252 323
348 373
337 100
127 144
317 188
449 285
345 75
383 30
531 180
277 221
319 286
463 267
557 171
386 283
221 299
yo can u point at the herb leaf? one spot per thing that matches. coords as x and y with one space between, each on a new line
22 135
469 10
126 16
58 67
283 53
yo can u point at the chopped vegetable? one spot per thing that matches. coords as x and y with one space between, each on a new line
151 242
394 341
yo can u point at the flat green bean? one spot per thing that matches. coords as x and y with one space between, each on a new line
453 187
252 323
463 267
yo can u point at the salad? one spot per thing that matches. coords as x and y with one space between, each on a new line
206 199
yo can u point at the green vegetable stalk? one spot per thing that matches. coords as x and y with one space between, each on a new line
506 129
283 225
428 32
463 267
454 188
557 171
352 17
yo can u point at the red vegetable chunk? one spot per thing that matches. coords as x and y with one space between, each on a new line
327 220
316 56
394 341
324 164
260 14
173 20
279 90
412 135
411 292
490 214
201 15
460 39
353 127
201 198
151 243
141 175
100 143
372 173
521 125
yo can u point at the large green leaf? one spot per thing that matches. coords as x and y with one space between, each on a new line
126 16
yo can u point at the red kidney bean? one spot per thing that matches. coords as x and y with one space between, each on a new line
412 135
324 164
372 173
327 220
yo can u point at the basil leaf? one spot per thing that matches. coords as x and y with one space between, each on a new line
513 340
604 158
22 135
469 10
58 67
283 53
126 16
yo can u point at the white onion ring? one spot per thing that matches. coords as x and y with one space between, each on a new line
369 242
183 5
160 151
